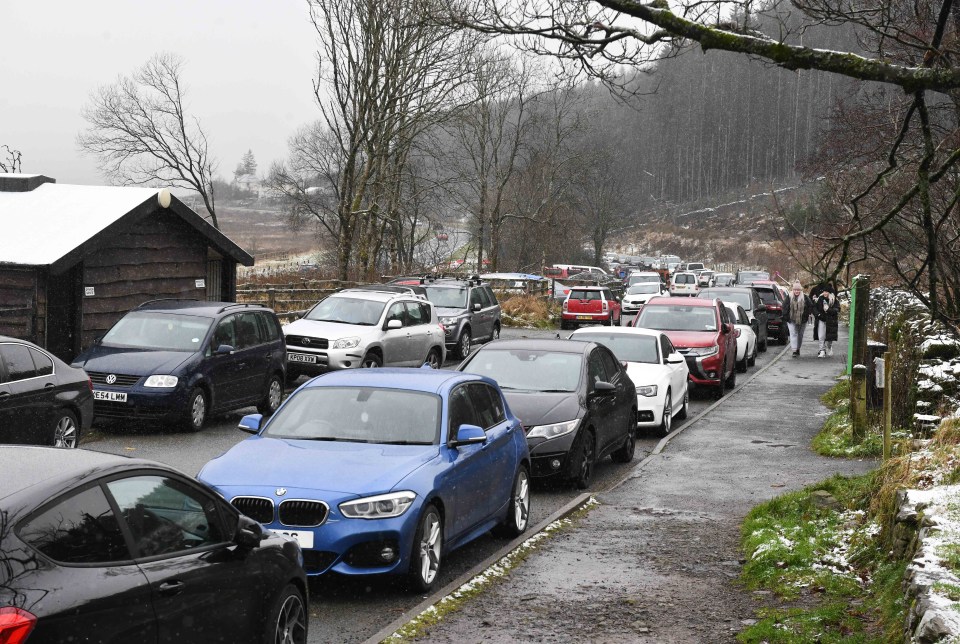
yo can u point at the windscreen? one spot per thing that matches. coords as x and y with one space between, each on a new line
636 279
738 297
159 331
359 415
677 318
528 370
644 288
745 277
453 298
347 310
768 296
629 347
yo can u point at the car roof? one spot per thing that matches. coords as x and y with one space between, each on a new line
645 273
685 301
24 466
727 289
369 294
395 289
616 330
195 307
537 344
589 288
411 378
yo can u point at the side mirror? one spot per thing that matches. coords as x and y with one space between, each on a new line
477 306
469 435
250 423
249 533
602 388
394 324
726 328
224 349
675 358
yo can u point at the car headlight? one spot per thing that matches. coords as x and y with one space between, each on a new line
647 390
703 351
448 321
382 506
345 343
552 431
167 382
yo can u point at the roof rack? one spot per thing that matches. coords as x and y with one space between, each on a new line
168 299
389 288
244 305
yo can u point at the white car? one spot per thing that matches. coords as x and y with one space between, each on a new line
659 372
746 338
638 294
684 283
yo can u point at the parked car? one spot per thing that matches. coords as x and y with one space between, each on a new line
103 548
724 279
702 330
746 338
43 401
467 309
590 305
749 298
181 360
638 294
684 283
575 400
382 472
658 371
365 327
637 277
744 278
773 300
705 278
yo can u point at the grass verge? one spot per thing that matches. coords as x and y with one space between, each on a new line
835 439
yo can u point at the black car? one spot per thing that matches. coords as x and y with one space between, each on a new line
753 305
773 301
468 311
575 400
43 400
180 360
103 548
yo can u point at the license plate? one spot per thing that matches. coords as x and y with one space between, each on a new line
304 538
111 396
300 357
584 317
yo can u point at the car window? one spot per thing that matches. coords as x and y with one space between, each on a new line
19 363
42 362
490 296
248 331
496 404
610 364
166 515
225 333
666 348
396 312
476 297
483 405
595 370
426 312
742 316
768 296
269 327
461 410
528 370
80 528
607 295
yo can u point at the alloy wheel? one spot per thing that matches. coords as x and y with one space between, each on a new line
275 394
521 501
65 434
430 548
198 410
291 622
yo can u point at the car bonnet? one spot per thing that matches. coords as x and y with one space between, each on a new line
135 362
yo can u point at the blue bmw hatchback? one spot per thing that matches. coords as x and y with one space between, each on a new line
382 471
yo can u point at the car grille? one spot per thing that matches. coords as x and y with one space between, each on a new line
298 341
257 508
316 561
106 409
299 513
100 378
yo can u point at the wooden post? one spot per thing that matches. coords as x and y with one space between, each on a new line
859 308
272 298
858 408
887 401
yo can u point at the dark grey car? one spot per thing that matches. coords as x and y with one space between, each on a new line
467 309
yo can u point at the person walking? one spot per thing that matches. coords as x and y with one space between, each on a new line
826 310
796 313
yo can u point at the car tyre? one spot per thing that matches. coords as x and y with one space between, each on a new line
741 365
464 343
196 411
433 359
518 514
731 381
273 397
287 623
682 414
371 361
752 360
66 432
666 424
496 332
626 453
584 455
427 549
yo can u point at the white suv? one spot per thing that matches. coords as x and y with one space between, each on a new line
365 327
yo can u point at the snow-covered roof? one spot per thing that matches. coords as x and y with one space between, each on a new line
42 225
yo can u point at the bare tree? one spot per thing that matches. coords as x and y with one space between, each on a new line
12 163
141 134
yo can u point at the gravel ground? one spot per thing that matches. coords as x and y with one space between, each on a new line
657 561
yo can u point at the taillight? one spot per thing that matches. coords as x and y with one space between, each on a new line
15 625
774 307
605 305
564 305
738 332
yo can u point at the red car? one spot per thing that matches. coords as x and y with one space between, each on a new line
590 305
702 330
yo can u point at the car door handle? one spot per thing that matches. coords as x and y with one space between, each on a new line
169 588
49 385
4 394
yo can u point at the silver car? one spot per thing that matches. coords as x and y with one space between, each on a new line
365 328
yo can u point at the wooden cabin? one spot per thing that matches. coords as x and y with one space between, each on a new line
74 259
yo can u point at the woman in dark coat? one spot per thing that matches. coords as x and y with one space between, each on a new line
826 309
796 311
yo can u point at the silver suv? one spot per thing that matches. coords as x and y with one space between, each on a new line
365 327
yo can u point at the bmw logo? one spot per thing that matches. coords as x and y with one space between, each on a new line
281 491
306 342
111 379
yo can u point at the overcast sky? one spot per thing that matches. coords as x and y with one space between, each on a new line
248 69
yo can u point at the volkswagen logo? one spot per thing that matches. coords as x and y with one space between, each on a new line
110 379
306 342
281 491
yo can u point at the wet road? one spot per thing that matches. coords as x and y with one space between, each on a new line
350 610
